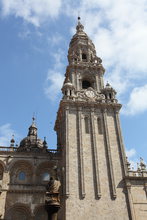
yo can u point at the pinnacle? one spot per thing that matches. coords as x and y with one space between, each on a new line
79 27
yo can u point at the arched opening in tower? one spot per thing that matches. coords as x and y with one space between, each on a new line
84 57
86 84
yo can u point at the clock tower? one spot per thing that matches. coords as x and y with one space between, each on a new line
89 138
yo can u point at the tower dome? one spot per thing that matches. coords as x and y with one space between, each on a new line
81 47
31 142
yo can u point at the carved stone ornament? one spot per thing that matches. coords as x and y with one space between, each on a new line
52 194
90 95
53 186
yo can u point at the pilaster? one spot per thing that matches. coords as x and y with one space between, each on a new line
80 154
108 149
67 152
120 142
95 157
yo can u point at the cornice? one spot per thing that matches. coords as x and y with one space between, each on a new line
86 65
140 178
103 106
90 103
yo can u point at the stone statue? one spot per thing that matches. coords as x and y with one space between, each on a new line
52 194
53 186
52 200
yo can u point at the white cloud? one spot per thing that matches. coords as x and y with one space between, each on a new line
133 164
133 158
55 81
131 153
32 11
137 102
117 27
24 34
6 133
55 77
55 39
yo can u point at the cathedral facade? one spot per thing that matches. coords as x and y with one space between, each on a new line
97 182
24 174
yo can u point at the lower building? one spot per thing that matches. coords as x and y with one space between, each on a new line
24 174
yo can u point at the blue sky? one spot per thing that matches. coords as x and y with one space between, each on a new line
34 40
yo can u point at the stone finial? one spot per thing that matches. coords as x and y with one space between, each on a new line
138 167
142 164
79 27
12 141
79 18
33 128
44 143
108 85
128 164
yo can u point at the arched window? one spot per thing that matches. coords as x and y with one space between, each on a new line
87 130
45 176
86 84
84 57
21 176
21 172
99 124
17 213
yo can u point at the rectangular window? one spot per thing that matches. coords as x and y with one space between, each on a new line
99 124
87 129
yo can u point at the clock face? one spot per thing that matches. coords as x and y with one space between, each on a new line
90 94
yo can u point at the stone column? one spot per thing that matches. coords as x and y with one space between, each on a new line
54 216
145 188
95 157
108 149
52 205
67 154
52 211
5 186
120 142
80 153
97 83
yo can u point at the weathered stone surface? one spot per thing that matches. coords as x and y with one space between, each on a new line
24 175
89 134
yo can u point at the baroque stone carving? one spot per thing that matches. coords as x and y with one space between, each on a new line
89 95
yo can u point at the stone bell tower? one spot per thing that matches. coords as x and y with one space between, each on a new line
89 137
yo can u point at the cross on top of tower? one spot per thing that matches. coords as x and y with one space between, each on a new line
79 27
